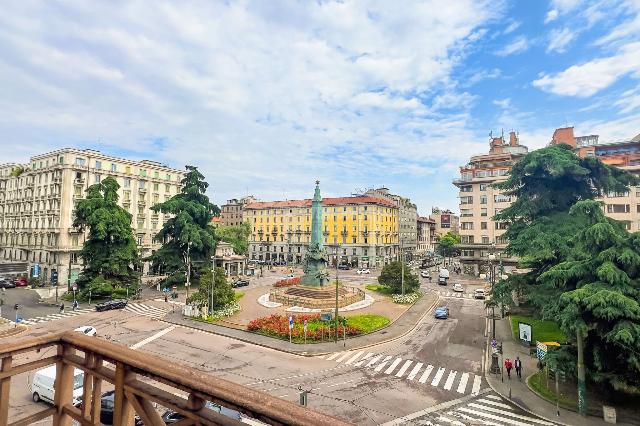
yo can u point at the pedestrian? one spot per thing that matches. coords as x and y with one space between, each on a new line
166 299
508 365
76 305
61 307
518 365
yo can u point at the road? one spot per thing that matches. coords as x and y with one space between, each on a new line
433 375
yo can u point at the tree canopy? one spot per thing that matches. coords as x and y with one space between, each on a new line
447 243
220 293
237 236
110 251
391 277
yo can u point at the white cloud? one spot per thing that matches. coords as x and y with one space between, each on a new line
561 7
590 77
552 15
629 101
560 39
518 45
512 27
502 103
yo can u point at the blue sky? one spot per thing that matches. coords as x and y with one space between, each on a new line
267 97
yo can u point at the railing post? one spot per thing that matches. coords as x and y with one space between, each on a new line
96 392
87 386
122 410
5 386
63 387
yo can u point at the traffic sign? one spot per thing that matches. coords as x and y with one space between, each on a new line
19 319
541 350
75 287
290 322
305 325
494 344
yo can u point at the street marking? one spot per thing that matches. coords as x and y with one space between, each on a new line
496 404
363 359
383 363
438 376
373 361
476 385
334 355
426 373
492 417
508 413
404 368
152 338
462 386
393 365
450 379
448 420
353 358
342 358
496 397
414 372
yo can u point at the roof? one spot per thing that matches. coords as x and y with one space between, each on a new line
340 201
215 219
636 138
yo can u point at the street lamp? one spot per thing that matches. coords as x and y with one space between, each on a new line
213 267
495 366
336 313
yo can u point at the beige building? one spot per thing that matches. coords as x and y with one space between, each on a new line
426 229
231 212
445 221
37 204
227 259
480 235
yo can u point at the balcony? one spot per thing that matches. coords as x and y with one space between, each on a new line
128 371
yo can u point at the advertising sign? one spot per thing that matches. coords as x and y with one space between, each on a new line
524 331
445 221
35 271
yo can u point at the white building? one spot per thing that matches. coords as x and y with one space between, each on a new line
37 201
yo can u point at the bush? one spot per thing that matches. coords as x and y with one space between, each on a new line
287 282
408 298
225 311
223 293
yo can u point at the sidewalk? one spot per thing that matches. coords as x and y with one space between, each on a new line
395 330
521 395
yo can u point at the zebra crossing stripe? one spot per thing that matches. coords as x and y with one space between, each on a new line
383 363
404 368
494 417
414 372
393 365
495 397
343 357
438 376
462 385
333 356
353 358
450 380
426 373
363 359
451 422
373 361
475 390
494 403
508 413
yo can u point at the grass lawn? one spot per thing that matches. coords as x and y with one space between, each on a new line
538 383
543 331
239 295
379 289
368 323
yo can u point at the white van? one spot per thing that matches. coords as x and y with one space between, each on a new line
42 386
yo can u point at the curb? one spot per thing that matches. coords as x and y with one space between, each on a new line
304 353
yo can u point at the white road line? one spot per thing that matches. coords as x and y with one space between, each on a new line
462 386
476 420
476 385
374 360
383 363
404 368
363 359
334 355
493 417
353 358
508 413
438 376
426 373
343 357
393 365
496 397
414 372
450 421
450 379
152 338
496 404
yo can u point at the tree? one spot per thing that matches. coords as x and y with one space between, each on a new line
221 290
188 228
447 243
237 236
110 253
391 277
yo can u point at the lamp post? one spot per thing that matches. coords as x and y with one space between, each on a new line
213 267
495 366
336 313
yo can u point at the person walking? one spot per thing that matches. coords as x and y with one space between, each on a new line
62 308
518 365
508 365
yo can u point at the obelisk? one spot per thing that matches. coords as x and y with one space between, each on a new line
315 259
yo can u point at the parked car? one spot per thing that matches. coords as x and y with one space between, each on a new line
107 404
344 267
171 416
442 312
87 330
458 287
240 283
43 381
479 294
363 271
424 274
111 304
6 283
288 277
20 281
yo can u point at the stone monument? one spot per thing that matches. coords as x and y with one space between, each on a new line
315 260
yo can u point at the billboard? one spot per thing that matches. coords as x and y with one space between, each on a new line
445 221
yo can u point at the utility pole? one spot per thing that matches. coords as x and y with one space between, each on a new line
336 313
582 389
188 267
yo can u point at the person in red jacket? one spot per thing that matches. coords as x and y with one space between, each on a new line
508 365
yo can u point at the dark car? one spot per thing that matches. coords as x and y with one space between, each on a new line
240 283
107 403
111 304
171 416
442 281
344 267
6 283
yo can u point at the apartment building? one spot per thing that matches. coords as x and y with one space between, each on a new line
231 212
407 220
480 235
37 201
445 221
360 231
426 229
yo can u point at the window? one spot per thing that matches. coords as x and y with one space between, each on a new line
483 199
97 178
466 200
168 177
618 208
466 225
467 253
466 188
466 176
613 194
466 239
140 224
139 240
143 172
79 161
127 182
483 187
98 164
485 239
483 211
501 225
156 175
167 187
127 170
483 225
143 184
114 167
127 195
466 212
499 198
156 187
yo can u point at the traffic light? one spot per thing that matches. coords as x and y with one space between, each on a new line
16 306
54 277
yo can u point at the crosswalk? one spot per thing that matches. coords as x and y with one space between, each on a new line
136 308
460 382
487 409
456 295
54 317
146 310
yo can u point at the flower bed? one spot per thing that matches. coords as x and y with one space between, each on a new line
407 298
278 326
287 282
226 311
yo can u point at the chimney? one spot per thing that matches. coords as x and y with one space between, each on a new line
513 138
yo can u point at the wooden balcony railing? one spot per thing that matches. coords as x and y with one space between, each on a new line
133 374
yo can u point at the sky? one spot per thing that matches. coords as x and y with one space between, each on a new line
265 97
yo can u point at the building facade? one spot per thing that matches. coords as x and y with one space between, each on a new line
37 201
426 229
407 220
360 231
445 221
479 202
231 212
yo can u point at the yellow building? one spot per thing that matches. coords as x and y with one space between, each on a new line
360 231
